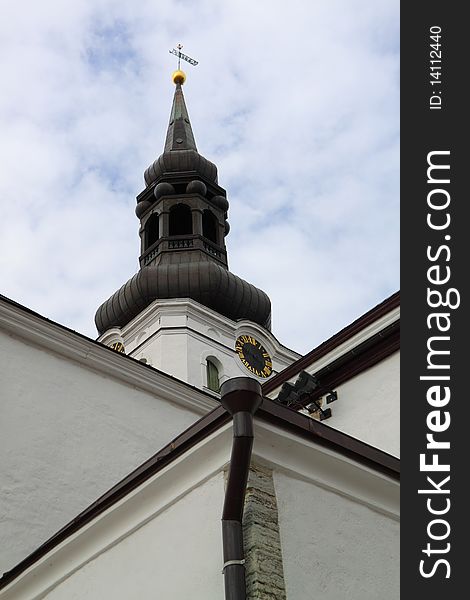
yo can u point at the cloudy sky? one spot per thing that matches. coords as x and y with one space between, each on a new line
296 102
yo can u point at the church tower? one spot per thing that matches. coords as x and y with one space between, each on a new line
184 312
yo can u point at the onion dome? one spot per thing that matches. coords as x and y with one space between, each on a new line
205 282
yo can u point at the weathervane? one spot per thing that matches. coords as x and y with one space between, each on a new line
179 76
180 56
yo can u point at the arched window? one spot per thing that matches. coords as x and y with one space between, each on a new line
151 230
209 226
181 221
212 376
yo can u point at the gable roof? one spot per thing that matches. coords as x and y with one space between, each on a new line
362 356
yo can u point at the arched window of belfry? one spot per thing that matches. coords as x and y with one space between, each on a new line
152 232
181 222
209 226
212 376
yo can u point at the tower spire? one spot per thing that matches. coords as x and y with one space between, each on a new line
180 134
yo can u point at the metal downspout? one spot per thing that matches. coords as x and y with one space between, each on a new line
241 397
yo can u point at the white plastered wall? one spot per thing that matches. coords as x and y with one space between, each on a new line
368 406
161 540
176 555
334 547
75 419
338 523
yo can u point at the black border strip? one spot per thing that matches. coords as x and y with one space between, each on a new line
434 125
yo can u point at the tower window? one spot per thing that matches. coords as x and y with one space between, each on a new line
151 231
209 226
181 222
212 376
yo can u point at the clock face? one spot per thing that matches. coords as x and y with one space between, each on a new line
252 354
118 346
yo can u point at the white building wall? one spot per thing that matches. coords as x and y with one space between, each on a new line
368 406
68 433
177 555
338 523
333 547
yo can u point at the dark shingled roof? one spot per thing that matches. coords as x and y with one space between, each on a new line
205 282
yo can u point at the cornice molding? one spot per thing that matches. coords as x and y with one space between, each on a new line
68 344
204 316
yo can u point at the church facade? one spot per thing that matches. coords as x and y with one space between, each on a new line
118 450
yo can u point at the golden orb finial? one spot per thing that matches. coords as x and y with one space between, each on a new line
178 77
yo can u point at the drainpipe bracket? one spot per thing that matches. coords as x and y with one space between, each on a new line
233 562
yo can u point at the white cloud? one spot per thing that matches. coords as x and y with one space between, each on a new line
296 104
